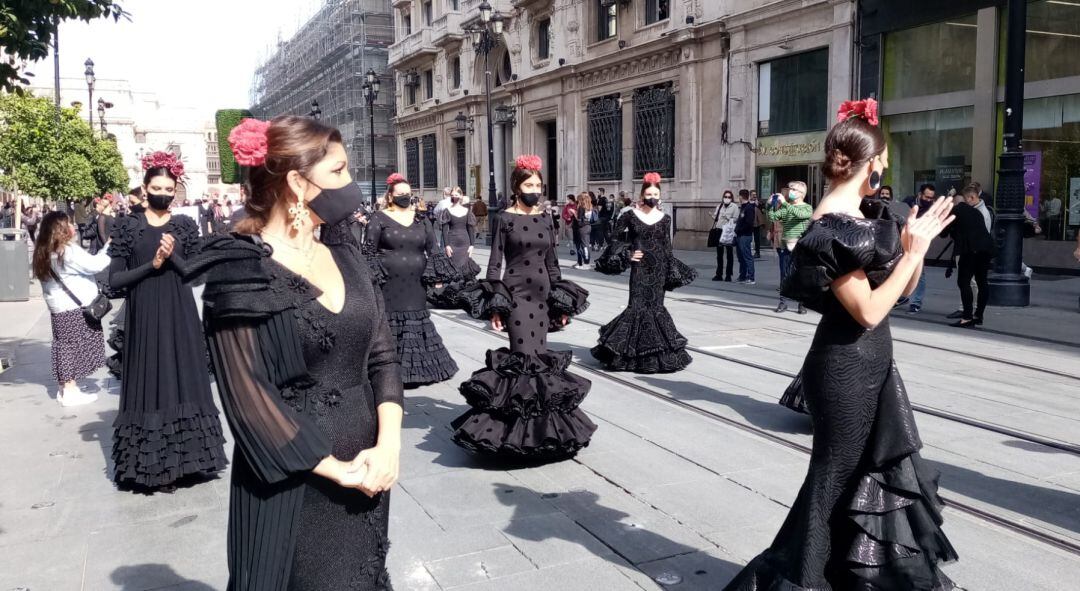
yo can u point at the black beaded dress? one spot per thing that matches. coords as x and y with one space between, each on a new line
643 338
868 516
459 233
299 382
167 427
524 401
410 255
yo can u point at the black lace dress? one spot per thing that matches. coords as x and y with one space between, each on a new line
298 382
168 426
459 233
868 515
410 254
643 338
524 401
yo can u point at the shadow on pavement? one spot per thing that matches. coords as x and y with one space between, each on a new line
763 415
142 577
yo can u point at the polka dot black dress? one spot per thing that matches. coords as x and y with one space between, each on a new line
524 402
411 258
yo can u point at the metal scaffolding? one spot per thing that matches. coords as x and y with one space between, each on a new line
326 61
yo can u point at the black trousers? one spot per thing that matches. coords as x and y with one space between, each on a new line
721 251
977 266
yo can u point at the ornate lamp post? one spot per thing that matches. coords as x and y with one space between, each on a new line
90 79
485 38
102 104
371 92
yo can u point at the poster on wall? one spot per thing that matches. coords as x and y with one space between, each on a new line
1032 182
1074 201
949 174
765 182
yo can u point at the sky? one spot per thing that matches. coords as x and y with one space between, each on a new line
195 53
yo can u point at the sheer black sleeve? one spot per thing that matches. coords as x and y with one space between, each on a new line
431 244
374 231
384 368
276 440
498 243
121 277
470 227
551 260
443 219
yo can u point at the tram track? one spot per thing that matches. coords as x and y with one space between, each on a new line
1015 526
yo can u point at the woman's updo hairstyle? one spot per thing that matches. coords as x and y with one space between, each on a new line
392 182
651 179
525 167
853 141
271 150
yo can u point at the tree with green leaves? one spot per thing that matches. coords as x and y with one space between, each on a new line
27 28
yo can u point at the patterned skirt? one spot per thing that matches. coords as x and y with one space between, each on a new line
78 349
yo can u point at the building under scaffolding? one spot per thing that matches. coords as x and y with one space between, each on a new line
326 62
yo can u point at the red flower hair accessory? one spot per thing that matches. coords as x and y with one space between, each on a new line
394 179
652 178
248 142
162 159
529 162
865 109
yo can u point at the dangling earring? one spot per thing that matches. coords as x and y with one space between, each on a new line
875 180
299 214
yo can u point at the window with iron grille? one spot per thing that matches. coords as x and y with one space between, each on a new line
455 72
654 130
431 162
459 162
656 11
412 161
607 19
605 138
543 39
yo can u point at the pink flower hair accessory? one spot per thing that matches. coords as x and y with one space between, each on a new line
162 159
529 162
865 109
248 142
394 179
652 178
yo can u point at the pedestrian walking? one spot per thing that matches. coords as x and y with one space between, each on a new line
524 403
66 273
407 248
724 218
167 430
569 213
761 221
606 216
31 218
81 217
643 338
306 369
974 248
584 217
744 237
867 515
794 214
924 201
457 226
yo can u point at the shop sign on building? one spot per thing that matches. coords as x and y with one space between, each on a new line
801 148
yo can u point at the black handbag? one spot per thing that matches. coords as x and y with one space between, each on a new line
95 311
715 233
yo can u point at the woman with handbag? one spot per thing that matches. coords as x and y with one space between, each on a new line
66 273
722 236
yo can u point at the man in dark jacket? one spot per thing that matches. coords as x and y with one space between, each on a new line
744 237
974 247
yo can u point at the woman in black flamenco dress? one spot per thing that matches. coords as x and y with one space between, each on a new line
524 401
410 255
643 338
167 428
868 516
309 381
458 226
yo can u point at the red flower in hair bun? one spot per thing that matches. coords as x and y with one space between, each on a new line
162 159
248 142
529 162
394 179
865 109
652 178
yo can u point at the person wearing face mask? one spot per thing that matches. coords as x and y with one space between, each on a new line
306 369
724 217
167 431
793 214
643 338
415 266
457 224
524 403
867 515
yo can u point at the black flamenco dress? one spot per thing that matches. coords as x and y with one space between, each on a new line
298 383
412 262
459 233
168 426
868 515
524 401
643 338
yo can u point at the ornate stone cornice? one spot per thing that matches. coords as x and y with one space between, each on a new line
662 60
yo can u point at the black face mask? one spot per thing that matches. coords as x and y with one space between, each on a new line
334 206
529 199
158 202
651 202
402 201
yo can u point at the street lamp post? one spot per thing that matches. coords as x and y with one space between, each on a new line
371 92
90 79
315 111
102 104
485 38
1008 285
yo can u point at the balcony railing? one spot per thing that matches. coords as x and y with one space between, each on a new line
416 45
447 29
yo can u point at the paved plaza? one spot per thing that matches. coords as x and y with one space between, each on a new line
687 478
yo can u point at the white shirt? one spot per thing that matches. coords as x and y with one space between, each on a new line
443 204
1053 209
987 219
78 275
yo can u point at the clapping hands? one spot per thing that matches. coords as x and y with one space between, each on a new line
919 232
164 251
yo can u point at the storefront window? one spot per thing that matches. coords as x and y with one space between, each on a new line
1053 41
930 147
1052 159
948 46
793 93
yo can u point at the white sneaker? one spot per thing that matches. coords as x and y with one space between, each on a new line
75 397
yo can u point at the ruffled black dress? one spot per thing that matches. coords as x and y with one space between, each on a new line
868 515
410 254
459 233
643 338
168 426
524 401
298 382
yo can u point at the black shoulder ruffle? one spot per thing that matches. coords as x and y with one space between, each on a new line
832 247
679 274
186 232
124 234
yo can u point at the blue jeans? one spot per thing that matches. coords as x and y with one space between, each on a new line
920 290
744 248
785 265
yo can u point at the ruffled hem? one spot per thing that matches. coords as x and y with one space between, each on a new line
551 436
642 341
424 358
794 396
614 260
567 299
484 299
156 449
679 274
525 385
439 269
115 362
